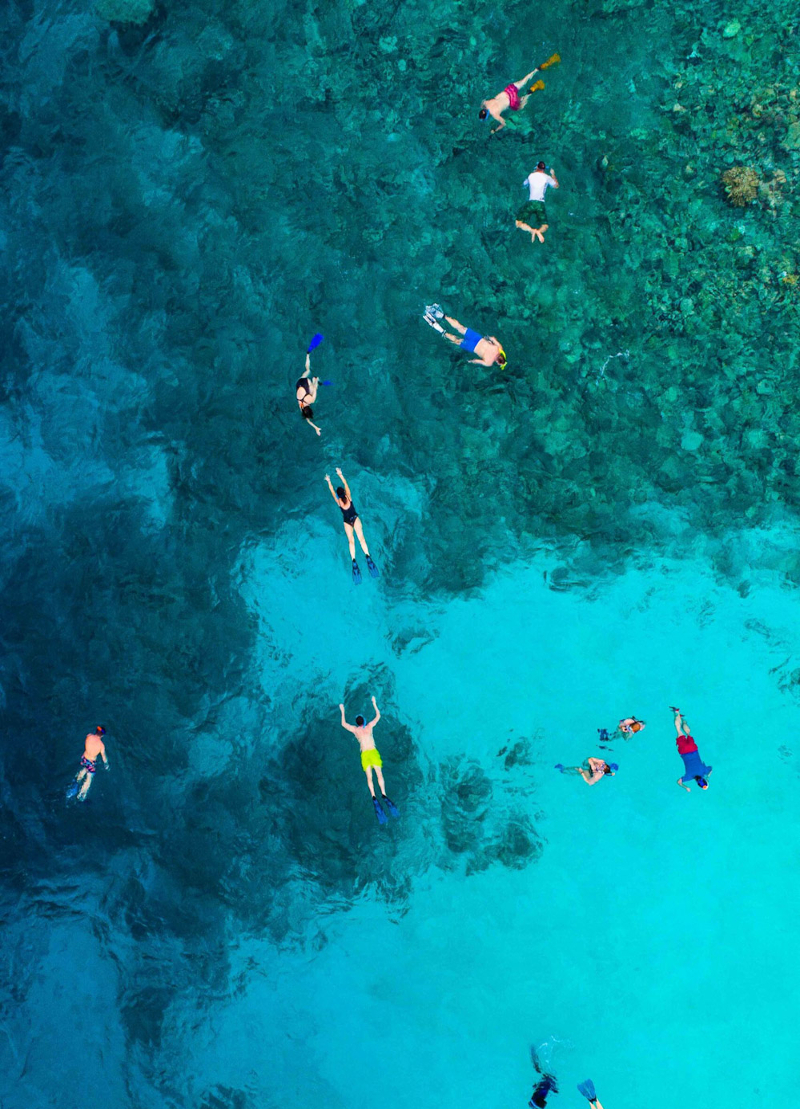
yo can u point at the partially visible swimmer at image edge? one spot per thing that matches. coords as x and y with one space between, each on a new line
693 766
587 1089
487 347
371 760
352 526
542 1090
592 770
93 749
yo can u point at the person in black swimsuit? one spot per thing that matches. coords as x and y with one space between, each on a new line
352 525
306 392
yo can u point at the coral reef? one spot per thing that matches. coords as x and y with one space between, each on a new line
741 185
125 11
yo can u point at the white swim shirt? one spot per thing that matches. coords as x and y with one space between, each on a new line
538 182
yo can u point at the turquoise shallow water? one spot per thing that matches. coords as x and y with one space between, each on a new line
189 192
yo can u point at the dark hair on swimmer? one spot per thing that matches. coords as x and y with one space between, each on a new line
340 493
482 114
307 413
360 721
100 730
501 359
541 165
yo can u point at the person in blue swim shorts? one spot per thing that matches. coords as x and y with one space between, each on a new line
694 769
487 347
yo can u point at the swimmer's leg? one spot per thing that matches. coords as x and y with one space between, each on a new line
350 540
539 231
87 783
381 782
524 81
368 773
458 326
526 227
361 539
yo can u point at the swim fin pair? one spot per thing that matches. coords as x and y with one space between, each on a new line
587 1089
373 571
390 805
433 313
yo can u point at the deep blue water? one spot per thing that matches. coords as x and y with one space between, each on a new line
189 192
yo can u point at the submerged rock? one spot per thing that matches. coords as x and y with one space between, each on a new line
125 11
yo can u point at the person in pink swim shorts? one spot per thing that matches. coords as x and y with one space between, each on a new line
508 100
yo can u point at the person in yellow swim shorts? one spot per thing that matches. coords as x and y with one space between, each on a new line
371 760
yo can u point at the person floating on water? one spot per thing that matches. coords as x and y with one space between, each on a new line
94 748
509 99
587 1089
371 760
352 524
694 767
533 211
487 347
592 770
546 1084
630 726
306 390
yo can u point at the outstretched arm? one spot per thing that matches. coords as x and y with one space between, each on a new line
348 727
377 713
555 179
103 755
344 482
330 486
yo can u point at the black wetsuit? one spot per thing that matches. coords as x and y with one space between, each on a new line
350 515
303 383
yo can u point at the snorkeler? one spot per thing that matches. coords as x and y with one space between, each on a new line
587 1089
94 748
630 726
694 767
352 523
306 391
487 347
371 760
546 1086
534 210
509 98
591 770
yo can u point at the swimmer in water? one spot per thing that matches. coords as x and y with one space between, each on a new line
533 211
545 1087
94 748
487 347
630 726
371 760
694 769
508 100
352 526
306 391
592 770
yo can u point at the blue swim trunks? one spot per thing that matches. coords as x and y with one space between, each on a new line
694 767
471 340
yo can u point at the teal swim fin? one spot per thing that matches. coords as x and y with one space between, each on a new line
381 815
390 805
373 569
356 573
587 1089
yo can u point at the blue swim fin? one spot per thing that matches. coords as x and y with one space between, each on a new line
356 573
314 343
381 815
373 569
390 805
72 789
326 383
559 766
587 1089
